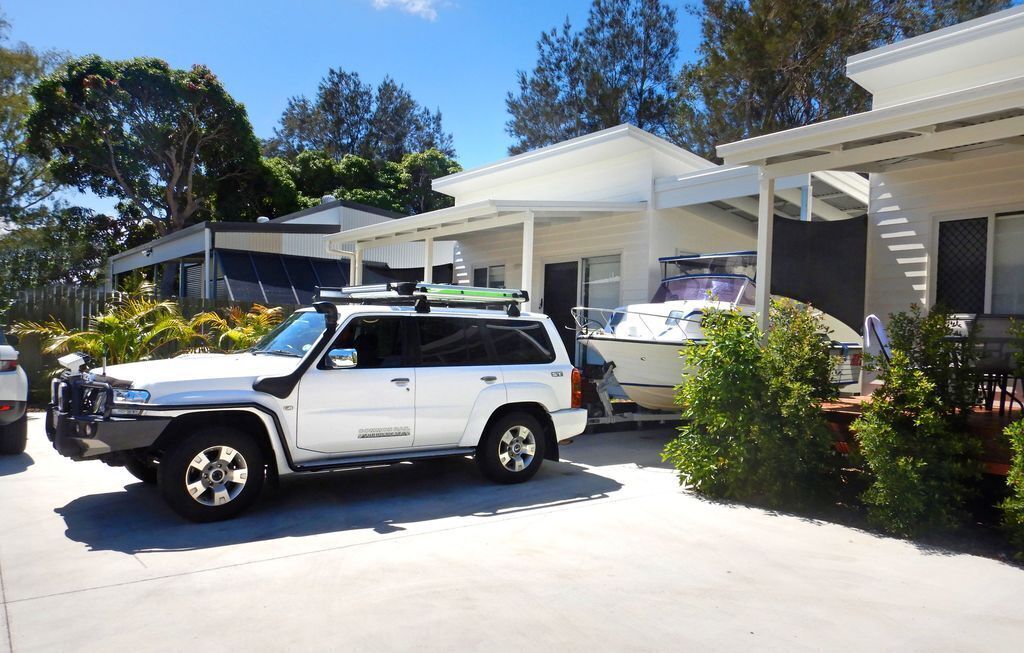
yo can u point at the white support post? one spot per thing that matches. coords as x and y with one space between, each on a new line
765 229
428 260
527 278
356 273
807 200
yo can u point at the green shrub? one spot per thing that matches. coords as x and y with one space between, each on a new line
1013 506
912 434
754 430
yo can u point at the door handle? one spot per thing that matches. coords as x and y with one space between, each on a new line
400 381
488 379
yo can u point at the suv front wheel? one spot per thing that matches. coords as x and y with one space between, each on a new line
512 449
211 475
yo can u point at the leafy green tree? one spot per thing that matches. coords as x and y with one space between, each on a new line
768 65
143 132
348 116
420 170
403 187
619 69
65 245
25 183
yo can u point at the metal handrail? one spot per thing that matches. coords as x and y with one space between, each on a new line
581 315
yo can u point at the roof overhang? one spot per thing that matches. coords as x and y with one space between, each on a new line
734 189
606 144
450 223
947 127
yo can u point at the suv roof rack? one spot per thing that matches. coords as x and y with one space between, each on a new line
424 295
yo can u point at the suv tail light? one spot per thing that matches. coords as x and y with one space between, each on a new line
576 393
8 366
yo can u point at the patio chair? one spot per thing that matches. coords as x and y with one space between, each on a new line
996 365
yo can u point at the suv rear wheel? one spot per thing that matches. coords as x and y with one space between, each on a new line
211 475
512 449
14 437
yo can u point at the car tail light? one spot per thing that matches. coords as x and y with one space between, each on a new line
8 366
577 388
4 408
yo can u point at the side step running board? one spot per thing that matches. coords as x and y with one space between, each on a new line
384 459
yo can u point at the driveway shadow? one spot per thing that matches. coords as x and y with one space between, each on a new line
15 464
640 447
383 499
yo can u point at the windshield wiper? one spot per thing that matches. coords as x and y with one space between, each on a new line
277 352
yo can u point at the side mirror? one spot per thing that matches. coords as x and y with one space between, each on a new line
339 359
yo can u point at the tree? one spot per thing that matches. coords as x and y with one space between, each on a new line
65 245
764 65
403 187
25 182
156 137
348 116
619 69
423 168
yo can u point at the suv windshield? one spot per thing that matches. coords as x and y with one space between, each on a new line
294 336
724 289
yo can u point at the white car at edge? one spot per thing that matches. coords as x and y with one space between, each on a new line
335 386
13 400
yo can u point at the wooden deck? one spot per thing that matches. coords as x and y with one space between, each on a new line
985 424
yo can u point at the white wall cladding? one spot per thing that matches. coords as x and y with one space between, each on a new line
274 243
624 178
557 242
904 208
177 248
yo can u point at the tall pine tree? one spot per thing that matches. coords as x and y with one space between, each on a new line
620 68
768 65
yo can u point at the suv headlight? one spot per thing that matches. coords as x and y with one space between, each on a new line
130 396
122 396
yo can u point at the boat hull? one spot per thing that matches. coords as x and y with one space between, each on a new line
647 370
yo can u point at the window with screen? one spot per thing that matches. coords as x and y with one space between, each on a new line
377 341
1008 264
489 277
451 341
961 268
520 342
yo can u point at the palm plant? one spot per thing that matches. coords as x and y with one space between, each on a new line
134 327
237 329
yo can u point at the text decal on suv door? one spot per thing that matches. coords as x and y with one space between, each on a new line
385 432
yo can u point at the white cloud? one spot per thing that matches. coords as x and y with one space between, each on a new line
426 9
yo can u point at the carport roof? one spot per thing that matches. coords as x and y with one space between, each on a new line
946 127
448 224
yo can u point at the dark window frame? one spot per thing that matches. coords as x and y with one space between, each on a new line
404 336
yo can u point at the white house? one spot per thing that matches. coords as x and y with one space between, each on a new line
583 222
943 146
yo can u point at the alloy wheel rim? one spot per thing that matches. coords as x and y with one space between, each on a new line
216 475
516 448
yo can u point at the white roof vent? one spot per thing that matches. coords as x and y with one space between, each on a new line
262 220
326 199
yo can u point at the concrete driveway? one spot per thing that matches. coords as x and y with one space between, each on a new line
602 552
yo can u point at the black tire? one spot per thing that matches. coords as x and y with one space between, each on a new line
141 469
14 437
233 451
496 454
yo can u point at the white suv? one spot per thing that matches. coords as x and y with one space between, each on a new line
375 375
13 400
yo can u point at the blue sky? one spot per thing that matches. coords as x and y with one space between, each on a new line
460 56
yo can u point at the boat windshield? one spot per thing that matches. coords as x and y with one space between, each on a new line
737 290
294 336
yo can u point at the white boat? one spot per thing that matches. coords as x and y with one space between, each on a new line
647 342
